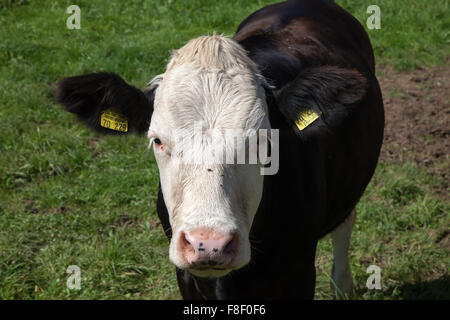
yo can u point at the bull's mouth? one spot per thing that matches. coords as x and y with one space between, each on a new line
208 272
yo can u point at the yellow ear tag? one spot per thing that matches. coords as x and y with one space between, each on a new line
112 119
306 118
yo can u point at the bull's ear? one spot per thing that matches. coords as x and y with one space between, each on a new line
106 103
321 96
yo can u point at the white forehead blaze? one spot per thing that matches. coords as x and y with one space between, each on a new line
212 80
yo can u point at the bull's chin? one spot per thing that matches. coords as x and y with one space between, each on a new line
209 273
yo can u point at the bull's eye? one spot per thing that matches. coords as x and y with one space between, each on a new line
158 144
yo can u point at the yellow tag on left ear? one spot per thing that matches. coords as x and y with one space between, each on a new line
114 120
306 118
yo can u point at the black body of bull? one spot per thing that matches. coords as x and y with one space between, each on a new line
324 169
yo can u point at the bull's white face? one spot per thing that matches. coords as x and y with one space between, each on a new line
209 203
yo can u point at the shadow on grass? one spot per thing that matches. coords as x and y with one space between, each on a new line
437 289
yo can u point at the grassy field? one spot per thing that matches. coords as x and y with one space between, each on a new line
71 197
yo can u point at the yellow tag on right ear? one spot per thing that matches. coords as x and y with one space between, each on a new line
306 117
114 120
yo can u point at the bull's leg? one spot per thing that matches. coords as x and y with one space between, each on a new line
342 281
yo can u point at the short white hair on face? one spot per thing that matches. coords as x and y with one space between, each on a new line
213 52
212 83
211 79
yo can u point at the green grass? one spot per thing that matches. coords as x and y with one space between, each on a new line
413 33
69 196
399 227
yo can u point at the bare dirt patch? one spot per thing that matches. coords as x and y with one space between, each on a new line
417 107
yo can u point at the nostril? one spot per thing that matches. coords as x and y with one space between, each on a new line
186 245
232 246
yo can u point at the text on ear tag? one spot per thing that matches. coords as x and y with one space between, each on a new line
114 120
305 118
